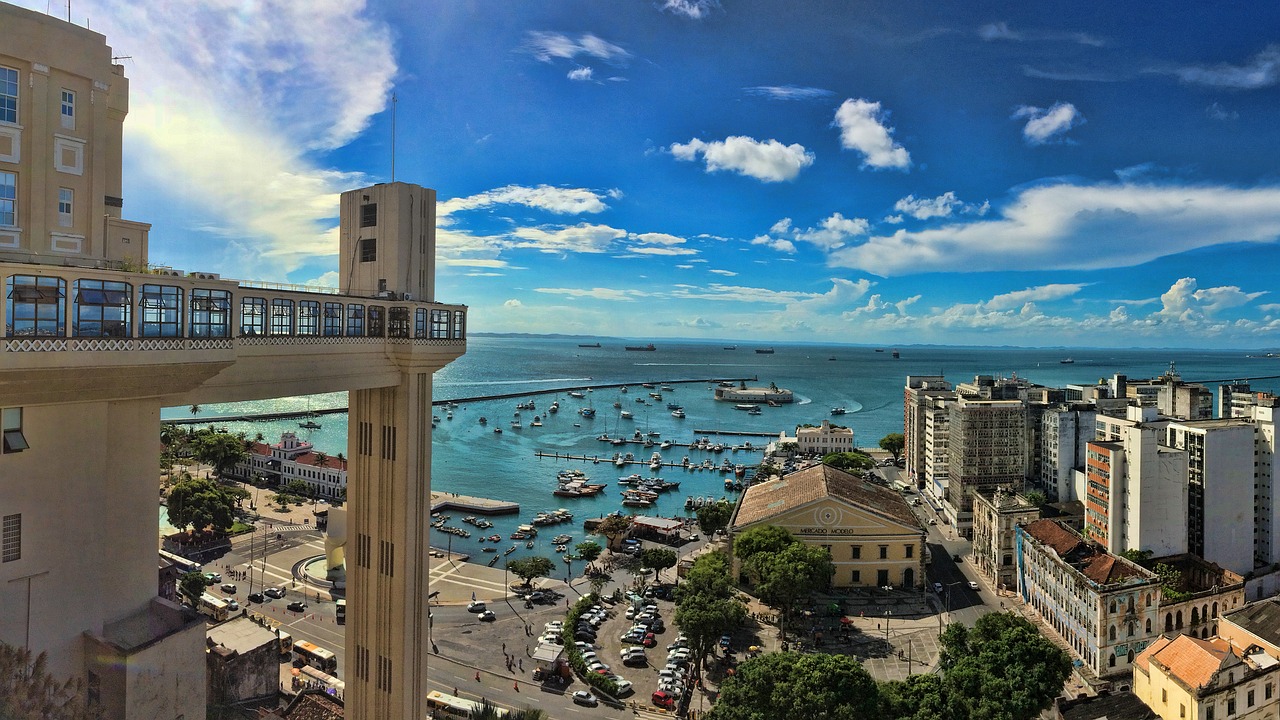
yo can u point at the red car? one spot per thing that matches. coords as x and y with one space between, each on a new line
649 640
664 700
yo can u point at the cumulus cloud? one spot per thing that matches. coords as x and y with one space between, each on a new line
768 161
657 239
595 293
779 244
862 128
1185 301
581 74
1262 70
944 205
696 9
1047 124
512 303
788 92
580 238
548 46
564 201
1042 293
1058 226
834 231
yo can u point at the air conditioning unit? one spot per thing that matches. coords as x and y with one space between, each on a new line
386 295
407 297
204 276
170 272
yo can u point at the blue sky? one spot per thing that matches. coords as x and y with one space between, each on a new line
873 172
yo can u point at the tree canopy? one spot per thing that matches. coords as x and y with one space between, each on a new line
614 527
200 503
893 444
192 586
588 550
849 461
528 568
786 579
221 450
714 516
707 605
795 685
658 558
761 538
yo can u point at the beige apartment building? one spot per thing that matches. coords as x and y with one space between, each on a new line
95 342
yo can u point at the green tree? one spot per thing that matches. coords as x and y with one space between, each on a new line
794 685
29 692
919 697
787 578
893 444
707 605
320 459
1037 498
220 450
658 559
849 461
588 550
192 586
614 528
761 538
200 504
528 568
297 487
714 516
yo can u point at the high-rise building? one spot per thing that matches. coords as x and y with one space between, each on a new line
987 449
1064 432
95 343
919 394
1220 489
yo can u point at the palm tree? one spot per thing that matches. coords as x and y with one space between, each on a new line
195 409
321 459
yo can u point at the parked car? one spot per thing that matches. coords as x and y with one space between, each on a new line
256 597
624 687
635 660
649 640
229 588
212 578
663 699
584 697
232 604
554 625
726 641
276 593
487 616
297 606
937 587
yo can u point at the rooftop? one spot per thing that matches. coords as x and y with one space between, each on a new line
1262 619
1189 659
1089 560
241 635
775 497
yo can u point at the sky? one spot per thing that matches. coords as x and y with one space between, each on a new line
881 172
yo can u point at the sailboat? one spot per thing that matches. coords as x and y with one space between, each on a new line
309 423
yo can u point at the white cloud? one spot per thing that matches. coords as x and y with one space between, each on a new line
862 129
1058 226
596 293
1184 301
726 273
1018 298
581 74
512 303
834 231
1001 31
788 92
200 78
668 251
1216 112
779 244
769 161
945 205
580 238
696 9
1263 70
546 46
327 280
997 31
564 201
657 239
1046 124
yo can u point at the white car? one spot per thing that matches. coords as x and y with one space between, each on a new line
624 687
475 606
551 639
596 666
937 587
973 585
554 626
583 697
589 656
584 647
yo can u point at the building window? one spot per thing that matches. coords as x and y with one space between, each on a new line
66 197
1164 696
458 321
333 319
11 538
368 250
102 309
68 109
253 316
884 552
11 427
35 306
440 324
308 317
1266 691
281 316
420 323
1248 702
857 552
8 95
856 578
8 198
910 550
355 320
161 311
377 327
210 313
398 322
369 215
882 578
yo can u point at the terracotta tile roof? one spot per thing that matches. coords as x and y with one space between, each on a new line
1048 532
309 705
1091 561
1191 660
1152 649
776 497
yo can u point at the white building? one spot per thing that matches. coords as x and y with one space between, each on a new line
1220 489
824 439
293 459
1064 432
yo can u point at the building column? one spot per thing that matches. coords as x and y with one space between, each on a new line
389 498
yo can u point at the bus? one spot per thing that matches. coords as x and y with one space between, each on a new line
341 611
305 653
286 643
180 562
214 607
446 705
316 678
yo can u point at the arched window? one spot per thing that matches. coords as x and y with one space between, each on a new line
1113 607
1177 623
1130 603
1148 626
1148 599
1132 628
1168 622
101 309
1215 609
1195 616
1130 656
1111 634
1111 661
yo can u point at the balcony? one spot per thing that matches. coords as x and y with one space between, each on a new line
92 334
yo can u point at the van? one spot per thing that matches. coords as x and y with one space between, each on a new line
341 611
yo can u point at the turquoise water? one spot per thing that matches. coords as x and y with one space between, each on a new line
470 459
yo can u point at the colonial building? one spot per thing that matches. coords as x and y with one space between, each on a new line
995 516
873 537
95 342
1205 592
824 439
1188 678
293 459
1106 608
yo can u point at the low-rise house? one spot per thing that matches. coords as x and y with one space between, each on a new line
293 459
824 439
995 516
1189 678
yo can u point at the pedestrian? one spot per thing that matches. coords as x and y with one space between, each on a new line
477 676
516 685
521 664
455 691
504 648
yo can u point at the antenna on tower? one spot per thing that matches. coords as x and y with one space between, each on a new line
393 136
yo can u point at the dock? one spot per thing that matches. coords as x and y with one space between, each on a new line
467 503
737 433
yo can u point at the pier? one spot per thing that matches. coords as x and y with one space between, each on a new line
466 503
737 433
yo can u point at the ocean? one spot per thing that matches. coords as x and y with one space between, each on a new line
470 459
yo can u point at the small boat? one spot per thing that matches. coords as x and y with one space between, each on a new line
833 357
626 415
895 355
515 425
448 415
493 561
484 421
309 425
497 431
529 545
744 406
587 412
879 349
537 422
648 348
576 394
838 411
667 388
1067 361
730 347
527 405
648 386
510 550
677 413
488 548
589 345
754 411
554 408
764 351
